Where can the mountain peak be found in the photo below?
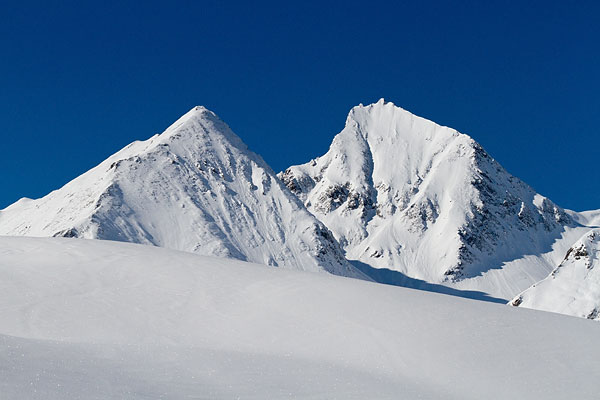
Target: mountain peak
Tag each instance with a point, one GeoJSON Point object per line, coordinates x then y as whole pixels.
{"type": "Point", "coordinates": [379, 102]}
{"type": "Point", "coordinates": [197, 112]}
{"type": "Point", "coordinates": [199, 127]}
{"type": "Point", "coordinates": [203, 113]}
{"type": "Point", "coordinates": [387, 120]}
{"type": "Point", "coordinates": [196, 187]}
{"type": "Point", "coordinates": [404, 193]}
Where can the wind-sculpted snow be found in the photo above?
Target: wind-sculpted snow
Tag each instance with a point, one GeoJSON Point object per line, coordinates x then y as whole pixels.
{"type": "Point", "coordinates": [196, 187]}
{"type": "Point", "coordinates": [89, 319]}
{"type": "Point", "coordinates": [403, 193]}
{"type": "Point", "coordinates": [573, 287]}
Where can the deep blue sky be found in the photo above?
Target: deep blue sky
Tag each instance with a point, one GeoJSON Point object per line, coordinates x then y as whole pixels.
{"type": "Point", "coordinates": [78, 82]}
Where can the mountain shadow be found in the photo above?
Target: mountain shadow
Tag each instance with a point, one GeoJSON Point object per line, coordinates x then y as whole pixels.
{"type": "Point", "coordinates": [395, 278]}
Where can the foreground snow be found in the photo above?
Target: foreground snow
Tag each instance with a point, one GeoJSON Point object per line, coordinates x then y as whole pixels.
{"type": "Point", "coordinates": [98, 319]}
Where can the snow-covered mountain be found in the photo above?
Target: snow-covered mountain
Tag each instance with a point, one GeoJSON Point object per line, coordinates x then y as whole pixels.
{"type": "Point", "coordinates": [573, 288]}
{"type": "Point", "coordinates": [412, 203]}
{"type": "Point", "coordinates": [90, 319]}
{"type": "Point", "coordinates": [196, 187]}
{"type": "Point", "coordinates": [402, 193]}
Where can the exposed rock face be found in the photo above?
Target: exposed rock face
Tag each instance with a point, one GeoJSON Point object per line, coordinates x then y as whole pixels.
{"type": "Point", "coordinates": [196, 187]}
{"type": "Point", "coordinates": [404, 193]}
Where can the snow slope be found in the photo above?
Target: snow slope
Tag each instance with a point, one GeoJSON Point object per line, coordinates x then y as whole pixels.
{"type": "Point", "coordinates": [99, 319]}
{"type": "Point", "coordinates": [402, 193]}
{"type": "Point", "coordinates": [196, 187]}
{"type": "Point", "coordinates": [573, 288]}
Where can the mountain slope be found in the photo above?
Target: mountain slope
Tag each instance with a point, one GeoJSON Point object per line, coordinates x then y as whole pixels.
{"type": "Point", "coordinates": [573, 288]}
{"type": "Point", "coordinates": [402, 193]}
{"type": "Point", "coordinates": [196, 187]}
{"type": "Point", "coordinates": [99, 319]}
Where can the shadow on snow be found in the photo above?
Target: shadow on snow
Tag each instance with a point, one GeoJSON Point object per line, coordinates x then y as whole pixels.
{"type": "Point", "coordinates": [395, 278]}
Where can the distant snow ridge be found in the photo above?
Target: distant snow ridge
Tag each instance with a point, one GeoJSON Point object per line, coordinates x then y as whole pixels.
{"type": "Point", "coordinates": [196, 187]}
{"type": "Point", "coordinates": [401, 192]}
{"type": "Point", "coordinates": [573, 288]}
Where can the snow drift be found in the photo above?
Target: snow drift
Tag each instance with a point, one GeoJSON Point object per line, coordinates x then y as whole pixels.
{"type": "Point", "coordinates": [99, 319]}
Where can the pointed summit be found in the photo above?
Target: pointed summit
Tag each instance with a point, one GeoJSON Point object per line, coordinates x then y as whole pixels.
{"type": "Point", "coordinates": [403, 193]}
{"type": "Point", "coordinates": [196, 187]}
{"type": "Point", "coordinates": [202, 127]}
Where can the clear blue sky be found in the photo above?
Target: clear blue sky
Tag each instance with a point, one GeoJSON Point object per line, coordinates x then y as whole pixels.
{"type": "Point", "coordinates": [78, 82]}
